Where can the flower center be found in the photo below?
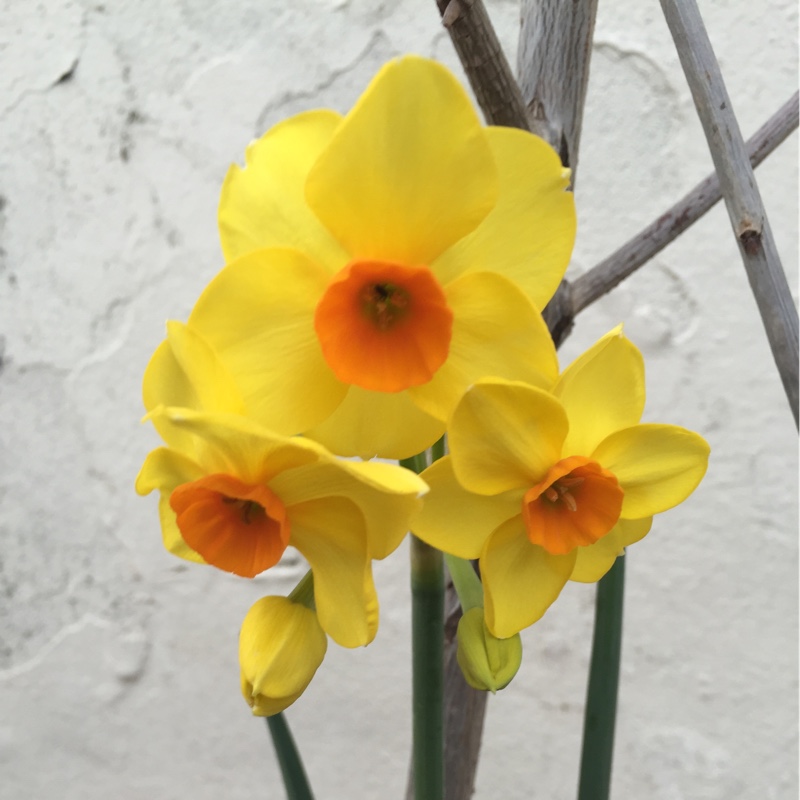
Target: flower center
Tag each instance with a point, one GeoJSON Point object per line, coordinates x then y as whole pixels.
{"type": "Point", "coordinates": [384, 303]}
{"type": "Point", "coordinates": [384, 327]}
{"type": "Point", "coordinates": [576, 504]}
{"type": "Point", "coordinates": [234, 526]}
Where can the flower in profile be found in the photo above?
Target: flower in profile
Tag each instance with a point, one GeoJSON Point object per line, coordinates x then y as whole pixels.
{"type": "Point", "coordinates": [547, 487]}
{"type": "Point", "coordinates": [281, 645]}
{"type": "Point", "coordinates": [235, 495]}
{"type": "Point", "coordinates": [381, 262]}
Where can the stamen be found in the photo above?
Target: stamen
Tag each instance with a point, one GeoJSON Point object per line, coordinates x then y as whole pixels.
{"type": "Point", "coordinates": [560, 490]}
{"type": "Point", "coordinates": [574, 505]}
{"type": "Point", "coordinates": [248, 509]}
{"type": "Point", "coordinates": [569, 500]}
{"type": "Point", "coordinates": [384, 303]}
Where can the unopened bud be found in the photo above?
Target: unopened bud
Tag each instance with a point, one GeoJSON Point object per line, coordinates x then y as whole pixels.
{"type": "Point", "coordinates": [488, 663]}
{"type": "Point", "coordinates": [281, 645]}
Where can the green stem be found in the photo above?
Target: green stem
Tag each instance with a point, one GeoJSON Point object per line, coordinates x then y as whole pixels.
{"type": "Point", "coordinates": [303, 593]}
{"type": "Point", "coordinates": [437, 449]}
{"type": "Point", "coordinates": [467, 584]}
{"type": "Point", "coordinates": [601, 696]}
{"type": "Point", "coordinates": [294, 775]}
{"type": "Point", "coordinates": [427, 618]}
{"type": "Point", "coordinates": [427, 648]}
{"type": "Point", "coordinates": [416, 463]}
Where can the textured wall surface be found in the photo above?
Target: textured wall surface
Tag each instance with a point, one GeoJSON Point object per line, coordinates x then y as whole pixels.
{"type": "Point", "coordinates": [118, 662]}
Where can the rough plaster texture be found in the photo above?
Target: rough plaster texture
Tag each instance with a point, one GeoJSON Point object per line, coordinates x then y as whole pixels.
{"type": "Point", "coordinates": [118, 667]}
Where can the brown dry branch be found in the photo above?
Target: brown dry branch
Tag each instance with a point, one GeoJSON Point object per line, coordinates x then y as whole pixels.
{"type": "Point", "coordinates": [555, 48]}
{"type": "Point", "coordinates": [487, 68]}
{"type": "Point", "coordinates": [738, 184]}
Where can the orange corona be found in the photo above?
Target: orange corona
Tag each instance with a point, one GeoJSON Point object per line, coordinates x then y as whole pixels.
{"type": "Point", "coordinates": [576, 504]}
{"type": "Point", "coordinates": [234, 526]}
{"type": "Point", "coordinates": [384, 327]}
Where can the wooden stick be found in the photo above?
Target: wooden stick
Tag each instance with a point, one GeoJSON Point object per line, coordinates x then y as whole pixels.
{"type": "Point", "coordinates": [738, 184]}
{"type": "Point", "coordinates": [487, 68]}
{"type": "Point", "coordinates": [555, 47]}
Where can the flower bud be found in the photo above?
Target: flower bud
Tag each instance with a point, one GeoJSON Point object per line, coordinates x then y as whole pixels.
{"type": "Point", "coordinates": [488, 663]}
{"type": "Point", "coordinates": [281, 644]}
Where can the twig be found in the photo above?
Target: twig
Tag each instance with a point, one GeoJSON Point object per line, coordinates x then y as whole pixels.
{"type": "Point", "coordinates": [555, 48]}
{"type": "Point", "coordinates": [738, 184]}
{"type": "Point", "coordinates": [487, 68]}
{"type": "Point", "coordinates": [611, 271]}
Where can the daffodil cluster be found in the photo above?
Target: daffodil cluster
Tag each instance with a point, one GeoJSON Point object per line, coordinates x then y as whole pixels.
{"type": "Point", "coordinates": [385, 273]}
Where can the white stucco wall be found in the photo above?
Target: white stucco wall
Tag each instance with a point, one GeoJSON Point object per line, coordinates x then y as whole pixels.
{"type": "Point", "coordinates": [118, 663]}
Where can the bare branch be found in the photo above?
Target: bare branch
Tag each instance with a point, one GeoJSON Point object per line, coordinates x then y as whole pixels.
{"type": "Point", "coordinates": [487, 68]}
{"type": "Point", "coordinates": [655, 237]}
{"type": "Point", "coordinates": [739, 188]}
{"type": "Point", "coordinates": [555, 47]}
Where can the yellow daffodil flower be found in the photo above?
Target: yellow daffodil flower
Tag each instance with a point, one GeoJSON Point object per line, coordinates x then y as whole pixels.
{"type": "Point", "coordinates": [236, 495]}
{"type": "Point", "coordinates": [547, 487]}
{"type": "Point", "coordinates": [281, 645]}
{"type": "Point", "coordinates": [381, 262]}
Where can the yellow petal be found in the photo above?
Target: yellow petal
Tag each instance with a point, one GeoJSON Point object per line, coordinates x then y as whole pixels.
{"type": "Point", "coordinates": [520, 580]}
{"type": "Point", "coordinates": [164, 378]}
{"type": "Point", "coordinates": [505, 435]}
{"type": "Point", "coordinates": [387, 495]}
{"type": "Point", "coordinates": [657, 466]}
{"type": "Point", "coordinates": [368, 424]}
{"type": "Point", "coordinates": [529, 235]}
{"type": "Point", "coordinates": [258, 314]}
{"type": "Point", "coordinates": [213, 385]}
{"type": "Point", "coordinates": [281, 645]}
{"type": "Point", "coordinates": [171, 535]}
{"type": "Point", "coordinates": [331, 534]}
{"type": "Point", "coordinates": [602, 391]}
{"type": "Point", "coordinates": [409, 171]}
{"type": "Point", "coordinates": [165, 469]}
{"type": "Point", "coordinates": [594, 561]}
{"type": "Point", "coordinates": [457, 521]}
{"type": "Point", "coordinates": [263, 204]}
{"type": "Point", "coordinates": [238, 446]}
{"type": "Point", "coordinates": [497, 332]}
{"type": "Point", "coordinates": [185, 371]}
